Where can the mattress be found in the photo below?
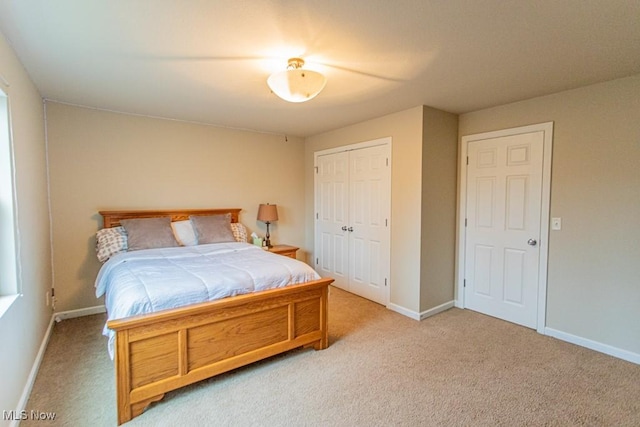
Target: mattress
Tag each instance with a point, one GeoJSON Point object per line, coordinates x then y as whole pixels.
{"type": "Point", "coordinates": [151, 280]}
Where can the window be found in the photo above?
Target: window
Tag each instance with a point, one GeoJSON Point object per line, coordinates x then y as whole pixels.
{"type": "Point", "coordinates": [8, 267]}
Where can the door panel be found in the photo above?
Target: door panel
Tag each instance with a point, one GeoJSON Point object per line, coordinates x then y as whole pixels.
{"type": "Point", "coordinates": [369, 204]}
{"type": "Point", "coordinates": [504, 200]}
{"type": "Point", "coordinates": [483, 257]}
{"type": "Point", "coordinates": [354, 193]}
{"type": "Point", "coordinates": [514, 279]}
{"type": "Point", "coordinates": [333, 205]}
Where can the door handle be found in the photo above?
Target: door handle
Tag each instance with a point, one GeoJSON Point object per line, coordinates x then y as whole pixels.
{"type": "Point", "coordinates": [532, 242]}
{"type": "Point", "coordinates": [344, 228]}
{"type": "Point", "coordinates": [350, 229]}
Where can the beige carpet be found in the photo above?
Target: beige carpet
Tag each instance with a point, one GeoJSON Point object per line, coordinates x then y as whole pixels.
{"type": "Point", "coordinates": [458, 368]}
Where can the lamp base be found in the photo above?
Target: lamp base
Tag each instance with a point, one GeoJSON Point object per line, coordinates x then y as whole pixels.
{"type": "Point", "coordinates": [267, 241]}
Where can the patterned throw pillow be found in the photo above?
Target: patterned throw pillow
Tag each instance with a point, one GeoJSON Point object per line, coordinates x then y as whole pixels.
{"type": "Point", "coordinates": [110, 241]}
{"type": "Point", "coordinates": [239, 232]}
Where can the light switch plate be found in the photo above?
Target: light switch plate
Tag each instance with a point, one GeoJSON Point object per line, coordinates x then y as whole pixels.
{"type": "Point", "coordinates": [556, 223]}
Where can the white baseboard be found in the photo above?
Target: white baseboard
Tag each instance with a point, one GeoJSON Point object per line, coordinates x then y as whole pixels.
{"type": "Point", "coordinates": [435, 310]}
{"type": "Point", "coordinates": [404, 311]}
{"type": "Point", "coordinates": [423, 315]}
{"type": "Point", "coordinates": [63, 315]}
{"type": "Point", "coordinates": [594, 345]}
{"type": "Point", "coordinates": [26, 392]}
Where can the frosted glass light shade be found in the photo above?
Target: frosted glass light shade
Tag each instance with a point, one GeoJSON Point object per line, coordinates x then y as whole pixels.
{"type": "Point", "coordinates": [296, 85]}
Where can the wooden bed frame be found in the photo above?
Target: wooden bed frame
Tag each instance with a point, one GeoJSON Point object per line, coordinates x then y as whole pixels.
{"type": "Point", "coordinates": [159, 352]}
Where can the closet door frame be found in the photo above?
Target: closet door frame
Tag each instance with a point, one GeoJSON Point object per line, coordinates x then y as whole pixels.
{"type": "Point", "coordinates": [351, 147]}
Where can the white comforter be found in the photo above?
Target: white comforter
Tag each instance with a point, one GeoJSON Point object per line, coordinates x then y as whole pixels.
{"type": "Point", "coordinates": [150, 280]}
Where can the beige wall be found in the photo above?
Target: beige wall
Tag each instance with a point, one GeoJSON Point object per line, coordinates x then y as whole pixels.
{"type": "Point", "coordinates": [439, 198]}
{"type": "Point", "coordinates": [594, 274]}
{"type": "Point", "coordinates": [405, 129]}
{"type": "Point", "coordinates": [23, 326]}
{"type": "Point", "coordinates": [96, 163]}
{"type": "Point", "coordinates": [423, 200]}
{"type": "Point", "coordinates": [101, 160]}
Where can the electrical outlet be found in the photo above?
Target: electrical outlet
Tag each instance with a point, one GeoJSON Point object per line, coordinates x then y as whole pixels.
{"type": "Point", "coordinates": [556, 223]}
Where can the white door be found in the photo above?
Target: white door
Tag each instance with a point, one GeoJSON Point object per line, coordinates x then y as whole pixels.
{"type": "Point", "coordinates": [352, 219]}
{"type": "Point", "coordinates": [368, 222]}
{"type": "Point", "coordinates": [332, 217]}
{"type": "Point", "coordinates": [503, 232]}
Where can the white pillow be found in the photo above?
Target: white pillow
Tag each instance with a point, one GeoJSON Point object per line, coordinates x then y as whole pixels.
{"type": "Point", "coordinates": [184, 233]}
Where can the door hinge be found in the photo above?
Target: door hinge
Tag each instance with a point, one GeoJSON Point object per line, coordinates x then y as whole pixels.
{"type": "Point", "coordinates": [386, 222]}
{"type": "Point", "coordinates": [467, 160]}
{"type": "Point", "coordinates": [465, 222]}
{"type": "Point", "coordinates": [53, 292]}
{"type": "Point", "coordinates": [464, 283]}
{"type": "Point", "coordinates": [316, 260]}
{"type": "Point", "coordinates": [387, 161]}
{"type": "Point", "coordinates": [317, 215]}
{"type": "Point", "coordinates": [385, 281]}
{"type": "Point", "coordinates": [316, 168]}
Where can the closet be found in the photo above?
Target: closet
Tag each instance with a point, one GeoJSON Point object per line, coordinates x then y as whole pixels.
{"type": "Point", "coordinates": [352, 217]}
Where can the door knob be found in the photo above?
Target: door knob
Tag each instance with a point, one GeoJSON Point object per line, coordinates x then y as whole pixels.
{"type": "Point", "coordinates": [532, 242]}
{"type": "Point", "coordinates": [344, 228]}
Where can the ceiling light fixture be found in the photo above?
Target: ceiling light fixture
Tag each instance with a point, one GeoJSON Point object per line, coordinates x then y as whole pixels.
{"type": "Point", "coordinates": [295, 84]}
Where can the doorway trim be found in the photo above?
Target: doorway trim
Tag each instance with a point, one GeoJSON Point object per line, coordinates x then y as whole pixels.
{"type": "Point", "coordinates": [547, 129]}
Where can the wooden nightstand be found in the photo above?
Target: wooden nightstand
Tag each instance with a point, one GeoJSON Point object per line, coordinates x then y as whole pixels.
{"type": "Point", "coordinates": [285, 250]}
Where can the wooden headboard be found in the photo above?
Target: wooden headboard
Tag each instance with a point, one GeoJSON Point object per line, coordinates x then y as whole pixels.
{"type": "Point", "coordinates": [112, 218]}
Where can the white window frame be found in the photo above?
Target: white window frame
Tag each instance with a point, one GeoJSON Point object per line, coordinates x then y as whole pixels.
{"type": "Point", "coordinates": [10, 284]}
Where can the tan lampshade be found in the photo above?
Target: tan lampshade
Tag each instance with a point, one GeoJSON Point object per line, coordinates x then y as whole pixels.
{"type": "Point", "coordinates": [268, 213]}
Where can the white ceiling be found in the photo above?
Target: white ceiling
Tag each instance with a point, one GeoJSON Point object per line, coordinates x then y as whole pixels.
{"type": "Point", "coordinates": [208, 61]}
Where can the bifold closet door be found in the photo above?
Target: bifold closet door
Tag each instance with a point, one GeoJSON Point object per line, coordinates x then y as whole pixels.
{"type": "Point", "coordinates": [332, 204]}
{"type": "Point", "coordinates": [352, 227]}
{"type": "Point", "coordinates": [369, 204]}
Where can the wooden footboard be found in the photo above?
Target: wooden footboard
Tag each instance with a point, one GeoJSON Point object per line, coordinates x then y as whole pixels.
{"type": "Point", "coordinates": [160, 352]}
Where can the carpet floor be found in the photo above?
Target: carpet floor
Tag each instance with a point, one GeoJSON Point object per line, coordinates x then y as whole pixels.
{"type": "Point", "coordinates": [458, 368]}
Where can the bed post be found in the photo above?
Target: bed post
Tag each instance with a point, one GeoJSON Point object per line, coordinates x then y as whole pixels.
{"type": "Point", "coordinates": [123, 379]}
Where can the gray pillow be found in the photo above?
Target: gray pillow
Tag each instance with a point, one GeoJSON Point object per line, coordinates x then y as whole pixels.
{"type": "Point", "coordinates": [149, 233]}
{"type": "Point", "coordinates": [213, 228]}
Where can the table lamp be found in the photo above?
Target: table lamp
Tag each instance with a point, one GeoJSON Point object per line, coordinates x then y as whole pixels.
{"type": "Point", "coordinates": [268, 214]}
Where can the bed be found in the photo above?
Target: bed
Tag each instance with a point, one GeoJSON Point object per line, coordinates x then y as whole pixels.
{"type": "Point", "coordinates": [165, 350]}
